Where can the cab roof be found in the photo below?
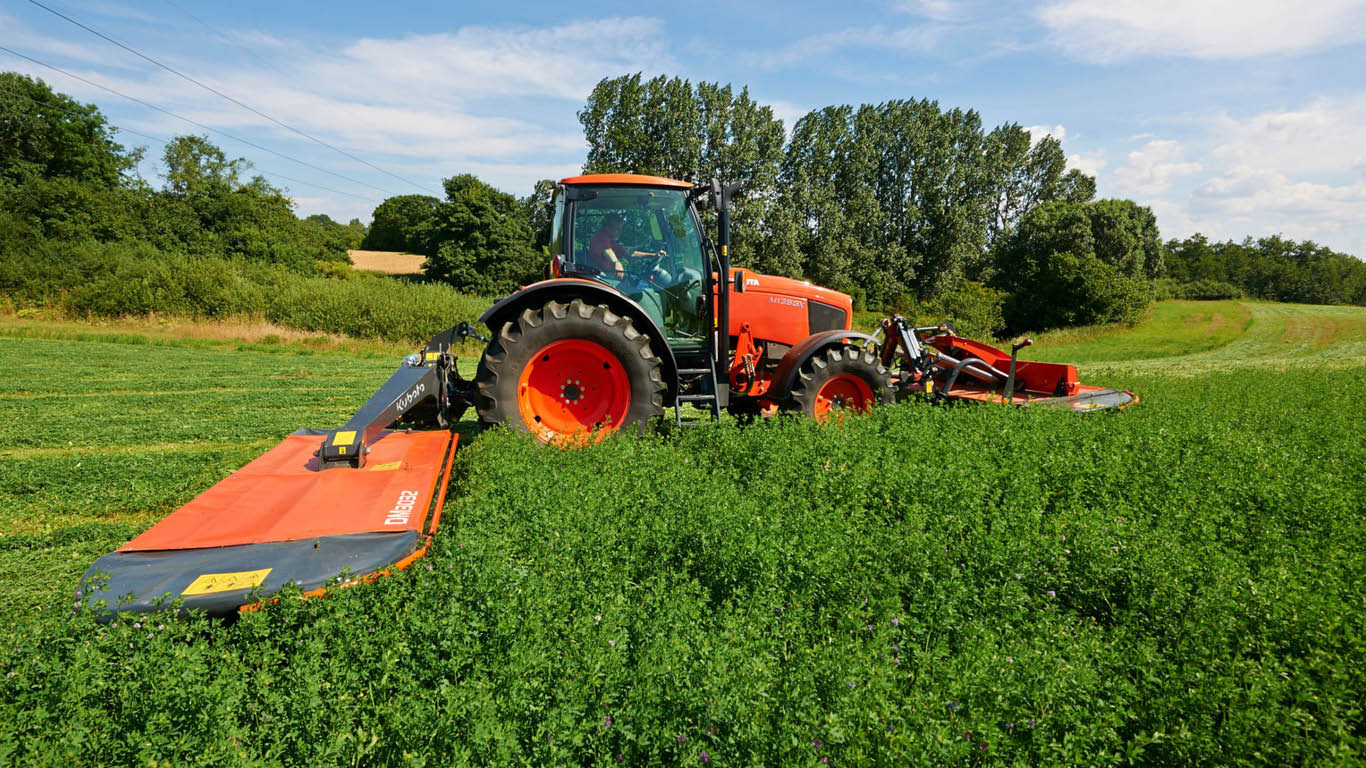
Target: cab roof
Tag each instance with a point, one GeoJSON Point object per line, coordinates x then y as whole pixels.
{"type": "Point", "coordinates": [626, 178]}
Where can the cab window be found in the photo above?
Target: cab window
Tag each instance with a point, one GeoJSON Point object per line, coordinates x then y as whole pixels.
{"type": "Point", "coordinates": [644, 242]}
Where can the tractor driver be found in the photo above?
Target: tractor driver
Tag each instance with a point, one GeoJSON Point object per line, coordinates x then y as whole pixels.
{"type": "Point", "coordinates": [605, 253]}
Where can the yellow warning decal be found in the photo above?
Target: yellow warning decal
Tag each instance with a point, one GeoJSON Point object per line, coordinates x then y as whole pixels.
{"type": "Point", "coordinates": [344, 437]}
{"type": "Point", "coordinates": [433, 355]}
{"type": "Point", "coordinates": [210, 583]}
{"type": "Point", "coordinates": [390, 467]}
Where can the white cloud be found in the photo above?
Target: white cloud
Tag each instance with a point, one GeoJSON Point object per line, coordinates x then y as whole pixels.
{"type": "Point", "coordinates": [938, 10]}
{"type": "Point", "coordinates": [1110, 30]}
{"type": "Point", "coordinates": [1152, 169]}
{"type": "Point", "coordinates": [496, 101]}
{"type": "Point", "coordinates": [914, 39]}
{"type": "Point", "coordinates": [1037, 132]}
{"type": "Point", "coordinates": [1324, 136]}
{"type": "Point", "coordinates": [1299, 172]}
{"type": "Point", "coordinates": [1089, 163]}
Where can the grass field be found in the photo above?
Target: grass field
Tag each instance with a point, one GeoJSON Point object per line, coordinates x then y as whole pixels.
{"type": "Point", "coordinates": [387, 262]}
{"type": "Point", "coordinates": [1181, 583]}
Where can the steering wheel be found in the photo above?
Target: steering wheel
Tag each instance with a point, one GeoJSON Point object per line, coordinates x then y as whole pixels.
{"type": "Point", "coordinates": [647, 263]}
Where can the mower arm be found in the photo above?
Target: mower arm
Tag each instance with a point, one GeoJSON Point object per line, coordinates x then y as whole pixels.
{"type": "Point", "coordinates": [427, 379]}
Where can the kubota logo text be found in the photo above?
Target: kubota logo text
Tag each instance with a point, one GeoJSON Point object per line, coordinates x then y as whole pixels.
{"type": "Point", "coordinates": [414, 394]}
{"type": "Point", "coordinates": [403, 509]}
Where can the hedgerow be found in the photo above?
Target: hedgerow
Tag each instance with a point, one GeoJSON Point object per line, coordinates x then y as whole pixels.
{"type": "Point", "coordinates": [115, 280]}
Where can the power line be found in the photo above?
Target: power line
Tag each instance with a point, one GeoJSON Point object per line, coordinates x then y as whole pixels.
{"type": "Point", "coordinates": [219, 93]}
{"type": "Point", "coordinates": [195, 122]}
{"type": "Point", "coordinates": [149, 137]}
{"type": "Point", "coordinates": [254, 57]}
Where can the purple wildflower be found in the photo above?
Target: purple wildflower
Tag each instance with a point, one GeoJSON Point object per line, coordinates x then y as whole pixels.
{"type": "Point", "coordinates": [612, 643]}
{"type": "Point", "coordinates": [608, 722]}
{"type": "Point", "coordinates": [896, 623]}
{"type": "Point", "coordinates": [967, 736]}
{"type": "Point", "coordinates": [619, 757]}
{"type": "Point", "coordinates": [851, 683]}
{"type": "Point", "coordinates": [1010, 659]}
{"type": "Point", "coordinates": [953, 706]}
{"type": "Point", "coordinates": [816, 743]}
{"type": "Point", "coordinates": [1031, 722]}
{"type": "Point", "coordinates": [825, 759]}
{"type": "Point", "coordinates": [983, 745]}
{"type": "Point", "coordinates": [705, 757]}
{"type": "Point", "coordinates": [1052, 593]}
{"type": "Point", "coordinates": [870, 627]}
{"type": "Point", "coordinates": [1010, 726]}
{"type": "Point", "coordinates": [682, 739]}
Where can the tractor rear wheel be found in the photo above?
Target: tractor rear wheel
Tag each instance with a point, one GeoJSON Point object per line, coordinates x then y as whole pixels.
{"type": "Point", "coordinates": [842, 378]}
{"type": "Point", "coordinates": [563, 371]}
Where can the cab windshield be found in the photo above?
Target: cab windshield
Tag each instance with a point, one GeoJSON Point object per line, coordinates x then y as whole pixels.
{"type": "Point", "coordinates": [644, 242]}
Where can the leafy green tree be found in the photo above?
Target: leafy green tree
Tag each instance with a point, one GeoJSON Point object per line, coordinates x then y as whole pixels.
{"type": "Point", "coordinates": [667, 127]}
{"type": "Point", "coordinates": [403, 223]}
{"type": "Point", "coordinates": [1079, 264]}
{"type": "Point", "coordinates": [539, 213]}
{"type": "Point", "coordinates": [48, 135]}
{"type": "Point", "coordinates": [482, 241]}
{"type": "Point", "coordinates": [196, 167]}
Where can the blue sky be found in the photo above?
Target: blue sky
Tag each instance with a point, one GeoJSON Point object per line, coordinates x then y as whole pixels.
{"type": "Point", "coordinates": [1228, 117]}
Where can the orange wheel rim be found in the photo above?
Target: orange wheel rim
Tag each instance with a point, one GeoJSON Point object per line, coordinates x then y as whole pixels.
{"type": "Point", "coordinates": [845, 392]}
{"type": "Point", "coordinates": [573, 387]}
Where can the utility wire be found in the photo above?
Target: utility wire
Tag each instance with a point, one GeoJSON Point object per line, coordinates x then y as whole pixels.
{"type": "Point", "coordinates": [254, 57]}
{"type": "Point", "coordinates": [149, 137]}
{"type": "Point", "coordinates": [195, 123]}
{"type": "Point", "coordinates": [219, 93]}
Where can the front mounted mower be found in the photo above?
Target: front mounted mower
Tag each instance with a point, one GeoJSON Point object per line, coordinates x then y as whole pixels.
{"type": "Point", "coordinates": [611, 338]}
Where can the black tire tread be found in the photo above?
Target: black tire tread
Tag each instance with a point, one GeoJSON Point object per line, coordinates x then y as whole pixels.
{"type": "Point", "coordinates": [834, 361]}
{"type": "Point", "coordinates": [514, 345]}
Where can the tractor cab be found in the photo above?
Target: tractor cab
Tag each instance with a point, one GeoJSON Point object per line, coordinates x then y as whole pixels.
{"type": "Point", "coordinates": [641, 236]}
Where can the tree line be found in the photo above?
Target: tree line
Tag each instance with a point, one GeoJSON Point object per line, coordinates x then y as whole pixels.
{"type": "Point", "coordinates": [905, 205]}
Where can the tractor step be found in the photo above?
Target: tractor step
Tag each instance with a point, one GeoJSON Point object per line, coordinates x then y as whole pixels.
{"type": "Point", "coordinates": [704, 392]}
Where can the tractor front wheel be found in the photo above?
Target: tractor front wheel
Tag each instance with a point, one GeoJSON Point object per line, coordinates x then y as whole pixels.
{"type": "Point", "coordinates": [566, 371]}
{"type": "Point", "coordinates": [843, 378]}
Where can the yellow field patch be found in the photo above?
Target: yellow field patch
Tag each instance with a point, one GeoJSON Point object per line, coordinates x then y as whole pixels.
{"type": "Point", "coordinates": [388, 262]}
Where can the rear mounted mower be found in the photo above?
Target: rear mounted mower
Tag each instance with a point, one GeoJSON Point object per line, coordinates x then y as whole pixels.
{"type": "Point", "coordinates": [611, 338]}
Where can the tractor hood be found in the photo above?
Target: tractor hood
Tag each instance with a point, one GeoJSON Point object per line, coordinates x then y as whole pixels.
{"type": "Point", "coordinates": [797, 289]}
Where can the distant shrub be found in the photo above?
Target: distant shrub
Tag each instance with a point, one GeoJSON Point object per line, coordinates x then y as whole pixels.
{"type": "Point", "coordinates": [973, 308]}
{"type": "Point", "coordinates": [1074, 264]}
{"type": "Point", "coordinates": [1201, 290]}
{"type": "Point", "coordinates": [371, 307]}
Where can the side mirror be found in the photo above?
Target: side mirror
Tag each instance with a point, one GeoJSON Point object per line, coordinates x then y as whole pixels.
{"type": "Point", "coordinates": [739, 281]}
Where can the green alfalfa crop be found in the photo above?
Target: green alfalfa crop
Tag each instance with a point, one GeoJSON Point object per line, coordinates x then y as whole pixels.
{"type": "Point", "coordinates": [1174, 584]}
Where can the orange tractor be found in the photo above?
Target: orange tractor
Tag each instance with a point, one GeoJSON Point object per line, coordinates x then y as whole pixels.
{"type": "Point", "coordinates": [639, 313]}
